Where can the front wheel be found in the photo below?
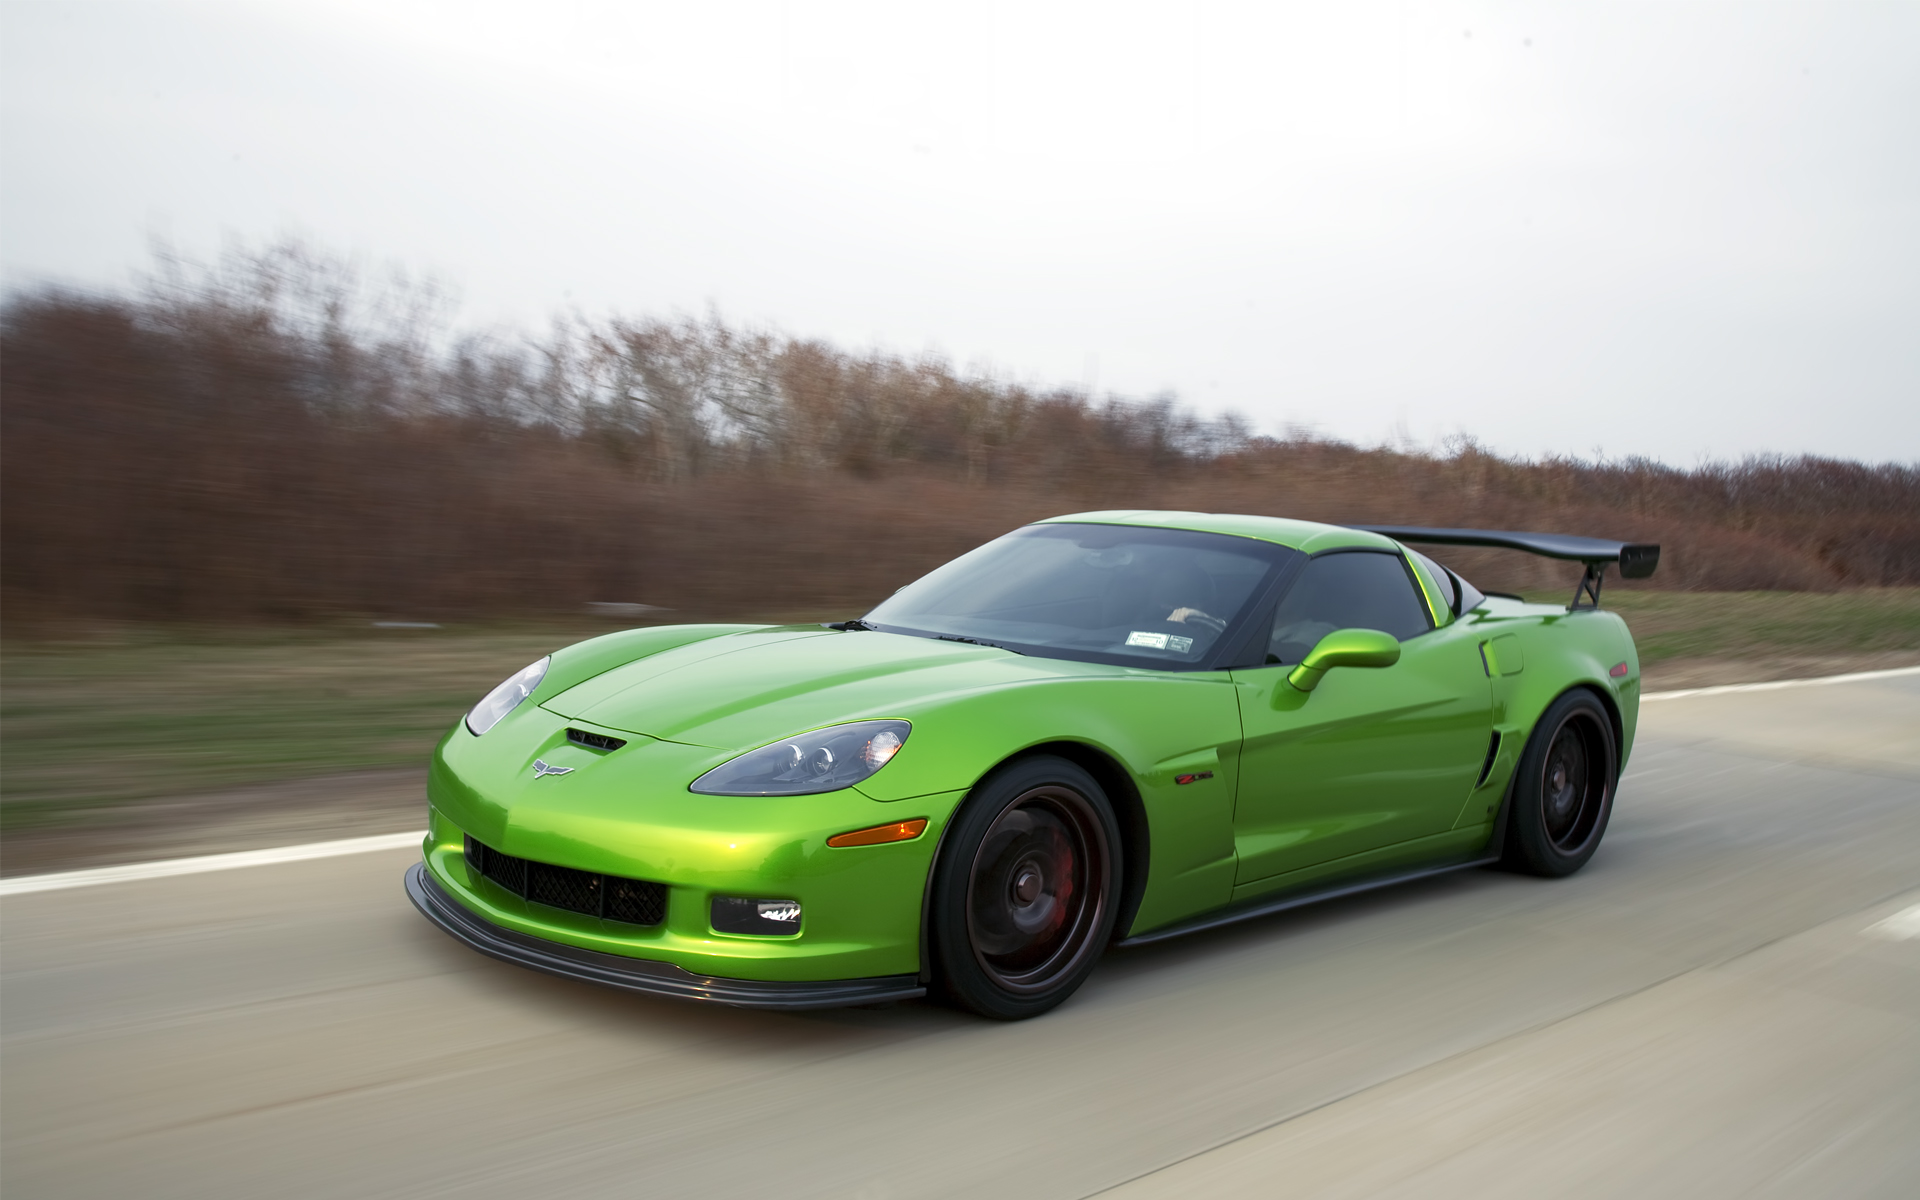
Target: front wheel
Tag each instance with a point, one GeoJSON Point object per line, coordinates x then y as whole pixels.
{"type": "Point", "coordinates": [1562, 789]}
{"type": "Point", "coordinates": [1025, 890]}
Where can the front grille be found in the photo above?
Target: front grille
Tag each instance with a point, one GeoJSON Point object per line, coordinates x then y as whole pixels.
{"type": "Point", "coordinates": [609, 897]}
{"type": "Point", "coordinates": [504, 869]}
{"type": "Point", "coordinates": [635, 901]}
{"type": "Point", "coordinates": [564, 887]}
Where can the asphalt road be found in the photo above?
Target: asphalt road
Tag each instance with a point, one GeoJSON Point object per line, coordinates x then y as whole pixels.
{"type": "Point", "coordinates": [1703, 1011]}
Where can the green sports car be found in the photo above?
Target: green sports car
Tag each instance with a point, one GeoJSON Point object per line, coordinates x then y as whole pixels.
{"type": "Point", "coordinates": [1107, 728]}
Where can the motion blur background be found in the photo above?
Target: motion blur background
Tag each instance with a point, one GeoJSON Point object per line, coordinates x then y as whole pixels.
{"type": "Point", "coordinates": [324, 323]}
{"type": "Point", "coordinates": [356, 353]}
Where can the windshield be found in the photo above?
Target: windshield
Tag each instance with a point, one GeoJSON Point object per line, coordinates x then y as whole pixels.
{"type": "Point", "coordinates": [1104, 593]}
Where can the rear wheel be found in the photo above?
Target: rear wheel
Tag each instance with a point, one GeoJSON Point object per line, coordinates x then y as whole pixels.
{"type": "Point", "coordinates": [1562, 789]}
{"type": "Point", "coordinates": [1025, 890]}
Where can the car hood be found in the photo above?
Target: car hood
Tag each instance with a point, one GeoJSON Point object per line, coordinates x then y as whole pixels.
{"type": "Point", "coordinates": [747, 689]}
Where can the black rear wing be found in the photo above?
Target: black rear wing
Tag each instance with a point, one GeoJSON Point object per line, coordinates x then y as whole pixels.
{"type": "Point", "coordinates": [1637, 559]}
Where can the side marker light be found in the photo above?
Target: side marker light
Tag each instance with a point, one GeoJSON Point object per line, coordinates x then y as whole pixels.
{"type": "Point", "coordinates": [899, 831]}
{"type": "Point", "coordinates": [1197, 775]}
{"type": "Point", "coordinates": [1619, 671]}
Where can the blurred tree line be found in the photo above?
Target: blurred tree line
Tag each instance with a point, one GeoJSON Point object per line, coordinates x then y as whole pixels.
{"type": "Point", "coordinates": [281, 437]}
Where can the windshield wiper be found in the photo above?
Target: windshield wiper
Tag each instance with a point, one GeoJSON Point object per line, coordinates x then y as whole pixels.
{"type": "Point", "coordinates": [954, 637]}
{"type": "Point", "coordinates": [854, 626]}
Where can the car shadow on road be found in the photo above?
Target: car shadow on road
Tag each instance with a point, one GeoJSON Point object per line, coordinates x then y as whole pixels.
{"type": "Point", "coordinates": [1123, 973]}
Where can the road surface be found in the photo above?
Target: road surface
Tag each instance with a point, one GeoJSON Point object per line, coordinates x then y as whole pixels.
{"type": "Point", "coordinates": [1725, 1002]}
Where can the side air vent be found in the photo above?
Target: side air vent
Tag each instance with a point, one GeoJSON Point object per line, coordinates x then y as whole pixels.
{"type": "Point", "coordinates": [609, 897]}
{"type": "Point", "coordinates": [594, 741]}
{"type": "Point", "coordinates": [1493, 752]}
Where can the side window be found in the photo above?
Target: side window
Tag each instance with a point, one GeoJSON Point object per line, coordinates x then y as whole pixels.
{"type": "Point", "coordinates": [1462, 597]}
{"type": "Point", "coordinates": [1442, 582]}
{"type": "Point", "coordinates": [1346, 591]}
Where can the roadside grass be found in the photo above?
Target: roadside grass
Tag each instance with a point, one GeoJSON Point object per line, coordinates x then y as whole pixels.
{"type": "Point", "coordinates": [129, 714]}
{"type": "Point", "coordinates": [1755, 625]}
{"type": "Point", "coordinates": [119, 716]}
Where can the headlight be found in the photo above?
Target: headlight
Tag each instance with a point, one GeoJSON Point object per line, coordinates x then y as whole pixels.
{"type": "Point", "coordinates": [507, 697]}
{"type": "Point", "coordinates": [825, 760]}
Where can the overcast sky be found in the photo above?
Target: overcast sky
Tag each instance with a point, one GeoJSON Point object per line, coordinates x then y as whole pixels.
{"type": "Point", "coordinates": [1682, 231]}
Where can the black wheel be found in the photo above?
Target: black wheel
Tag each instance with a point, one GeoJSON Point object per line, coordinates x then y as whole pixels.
{"type": "Point", "coordinates": [1562, 789]}
{"type": "Point", "coordinates": [1025, 889]}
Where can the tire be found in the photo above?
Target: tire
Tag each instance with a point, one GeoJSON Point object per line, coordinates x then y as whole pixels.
{"type": "Point", "coordinates": [1563, 789]}
{"type": "Point", "coordinates": [1025, 891]}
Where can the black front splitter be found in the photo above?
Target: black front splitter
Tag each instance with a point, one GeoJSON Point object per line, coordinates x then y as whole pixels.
{"type": "Point", "coordinates": [644, 975]}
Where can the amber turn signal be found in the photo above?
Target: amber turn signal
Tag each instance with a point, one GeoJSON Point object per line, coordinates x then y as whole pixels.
{"type": "Point", "coordinates": [899, 831]}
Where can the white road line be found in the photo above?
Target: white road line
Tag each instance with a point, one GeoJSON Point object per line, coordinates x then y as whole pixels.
{"type": "Point", "coordinates": [1903, 926]}
{"type": "Point", "coordinates": [1728, 689]}
{"type": "Point", "coordinates": [23, 884]}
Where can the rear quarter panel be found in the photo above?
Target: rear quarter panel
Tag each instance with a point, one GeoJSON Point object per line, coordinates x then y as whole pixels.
{"type": "Point", "coordinates": [1535, 653]}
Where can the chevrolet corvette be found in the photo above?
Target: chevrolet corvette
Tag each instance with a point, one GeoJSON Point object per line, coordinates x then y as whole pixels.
{"type": "Point", "coordinates": [1099, 730]}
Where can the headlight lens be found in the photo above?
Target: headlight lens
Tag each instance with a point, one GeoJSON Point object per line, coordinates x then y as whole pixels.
{"type": "Point", "coordinates": [507, 697]}
{"type": "Point", "coordinates": [825, 760]}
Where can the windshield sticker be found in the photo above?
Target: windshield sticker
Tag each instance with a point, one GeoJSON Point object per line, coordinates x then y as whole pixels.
{"type": "Point", "coordinates": [1179, 645]}
{"type": "Point", "coordinates": [1152, 641]}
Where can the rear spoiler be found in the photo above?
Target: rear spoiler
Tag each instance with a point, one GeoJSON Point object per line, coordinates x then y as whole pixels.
{"type": "Point", "coordinates": [1637, 559]}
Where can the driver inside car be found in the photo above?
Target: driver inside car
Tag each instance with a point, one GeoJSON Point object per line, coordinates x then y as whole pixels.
{"type": "Point", "coordinates": [1185, 597]}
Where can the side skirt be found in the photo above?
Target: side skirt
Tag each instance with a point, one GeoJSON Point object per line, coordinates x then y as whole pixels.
{"type": "Point", "coordinates": [1268, 905]}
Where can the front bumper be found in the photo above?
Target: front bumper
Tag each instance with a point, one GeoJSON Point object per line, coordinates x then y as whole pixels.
{"type": "Point", "coordinates": [629, 814]}
{"type": "Point", "coordinates": [644, 975]}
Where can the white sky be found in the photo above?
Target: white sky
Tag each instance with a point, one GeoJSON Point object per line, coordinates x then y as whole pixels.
{"type": "Point", "coordinates": [1675, 230]}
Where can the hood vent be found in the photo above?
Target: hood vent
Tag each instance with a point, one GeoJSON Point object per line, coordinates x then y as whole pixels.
{"type": "Point", "coordinates": [594, 741]}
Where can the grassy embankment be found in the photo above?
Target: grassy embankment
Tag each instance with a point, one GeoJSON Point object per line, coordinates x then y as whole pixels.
{"type": "Point", "coordinates": [142, 713]}
{"type": "Point", "coordinates": [98, 726]}
{"type": "Point", "coordinates": [1681, 633]}
{"type": "Point", "coordinates": [275, 444]}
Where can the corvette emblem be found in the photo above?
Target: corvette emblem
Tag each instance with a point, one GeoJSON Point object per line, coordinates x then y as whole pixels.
{"type": "Point", "coordinates": [543, 767]}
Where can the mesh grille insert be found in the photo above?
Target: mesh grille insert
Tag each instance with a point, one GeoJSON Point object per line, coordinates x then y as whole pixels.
{"type": "Point", "coordinates": [504, 869]}
{"type": "Point", "coordinates": [610, 897]}
{"type": "Point", "coordinates": [564, 887]}
{"type": "Point", "coordinates": [635, 901]}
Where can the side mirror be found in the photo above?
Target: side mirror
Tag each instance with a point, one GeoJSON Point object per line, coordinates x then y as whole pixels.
{"type": "Point", "coordinates": [1344, 648]}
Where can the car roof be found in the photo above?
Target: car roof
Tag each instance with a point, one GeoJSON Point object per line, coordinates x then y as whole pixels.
{"type": "Point", "coordinates": [1308, 536]}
